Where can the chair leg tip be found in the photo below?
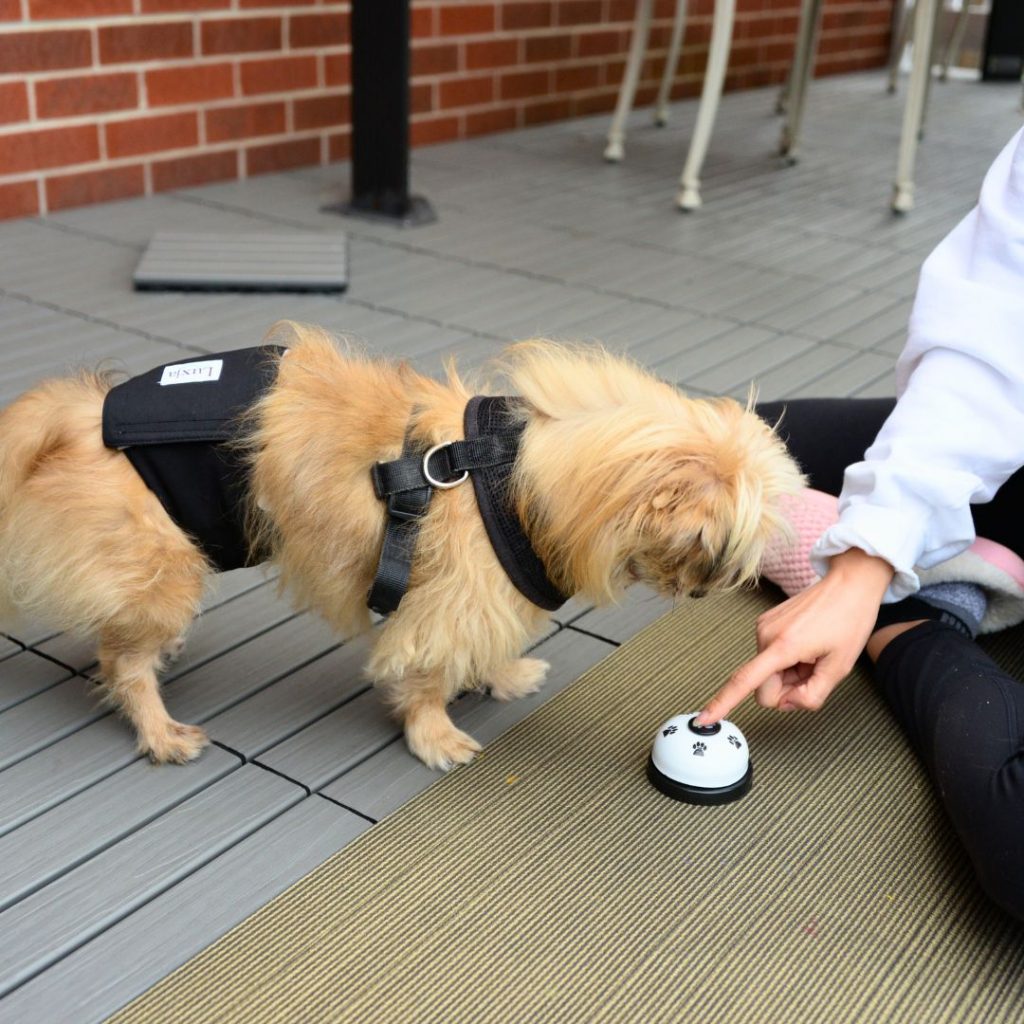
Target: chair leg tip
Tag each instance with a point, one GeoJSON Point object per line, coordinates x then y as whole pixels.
{"type": "Point", "coordinates": [902, 200]}
{"type": "Point", "coordinates": [614, 152]}
{"type": "Point", "coordinates": [689, 199]}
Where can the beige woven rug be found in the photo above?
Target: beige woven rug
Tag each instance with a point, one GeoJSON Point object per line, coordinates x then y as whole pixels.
{"type": "Point", "coordinates": [549, 882]}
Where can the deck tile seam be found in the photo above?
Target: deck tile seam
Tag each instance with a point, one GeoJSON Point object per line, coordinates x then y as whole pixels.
{"type": "Point", "coordinates": [823, 285]}
{"type": "Point", "coordinates": [91, 234]}
{"type": "Point", "coordinates": [284, 736]}
{"type": "Point", "coordinates": [592, 634]}
{"type": "Point", "coordinates": [33, 647]}
{"type": "Point", "coordinates": [121, 837]}
{"type": "Point", "coordinates": [346, 807]}
{"type": "Point", "coordinates": [100, 321]}
{"type": "Point", "coordinates": [248, 694]}
{"type": "Point", "coordinates": [13, 640]}
{"type": "Point", "coordinates": [104, 711]}
{"type": "Point", "coordinates": [266, 767]}
{"type": "Point", "coordinates": [419, 250]}
{"type": "Point", "coordinates": [43, 689]}
{"type": "Point", "coordinates": [823, 373]}
{"type": "Point", "coordinates": [125, 911]}
{"type": "Point", "coordinates": [873, 381]}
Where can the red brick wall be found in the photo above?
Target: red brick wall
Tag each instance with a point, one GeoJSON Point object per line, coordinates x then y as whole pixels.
{"type": "Point", "coordinates": [102, 99]}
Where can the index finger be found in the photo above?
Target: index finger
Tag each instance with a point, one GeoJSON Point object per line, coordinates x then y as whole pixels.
{"type": "Point", "coordinates": [745, 680]}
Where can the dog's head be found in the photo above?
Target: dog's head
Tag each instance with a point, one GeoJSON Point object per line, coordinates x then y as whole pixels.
{"type": "Point", "coordinates": [624, 478]}
{"type": "Point", "coordinates": [704, 514]}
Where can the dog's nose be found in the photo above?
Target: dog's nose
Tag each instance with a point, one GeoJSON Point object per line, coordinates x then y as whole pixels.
{"type": "Point", "coordinates": [698, 592]}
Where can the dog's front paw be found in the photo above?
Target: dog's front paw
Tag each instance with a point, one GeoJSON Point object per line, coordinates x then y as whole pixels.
{"type": "Point", "coordinates": [173, 742]}
{"type": "Point", "coordinates": [518, 678]}
{"type": "Point", "coordinates": [440, 745]}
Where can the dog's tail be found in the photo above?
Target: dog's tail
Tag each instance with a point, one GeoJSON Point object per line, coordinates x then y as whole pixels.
{"type": "Point", "coordinates": [41, 422]}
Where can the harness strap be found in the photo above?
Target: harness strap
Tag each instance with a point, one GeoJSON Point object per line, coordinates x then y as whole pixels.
{"type": "Point", "coordinates": [407, 484]}
{"type": "Point", "coordinates": [499, 417]}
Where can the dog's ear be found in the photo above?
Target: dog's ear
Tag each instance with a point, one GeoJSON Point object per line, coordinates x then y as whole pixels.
{"type": "Point", "coordinates": [690, 516]}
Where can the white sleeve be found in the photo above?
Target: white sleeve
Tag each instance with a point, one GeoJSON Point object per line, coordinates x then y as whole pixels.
{"type": "Point", "coordinates": [957, 432]}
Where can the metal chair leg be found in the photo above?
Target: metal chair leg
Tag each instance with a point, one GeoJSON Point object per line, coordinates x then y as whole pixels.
{"type": "Point", "coordinates": [671, 63]}
{"type": "Point", "coordinates": [800, 74]}
{"type": "Point", "coordinates": [902, 29]}
{"type": "Point", "coordinates": [924, 22]}
{"type": "Point", "coordinates": [688, 197]}
{"type": "Point", "coordinates": [615, 150]}
{"type": "Point", "coordinates": [956, 39]}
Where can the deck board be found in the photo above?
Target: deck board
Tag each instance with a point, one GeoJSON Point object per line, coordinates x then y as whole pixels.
{"type": "Point", "coordinates": [163, 933]}
{"type": "Point", "coordinates": [78, 829]}
{"type": "Point", "coordinates": [50, 923]}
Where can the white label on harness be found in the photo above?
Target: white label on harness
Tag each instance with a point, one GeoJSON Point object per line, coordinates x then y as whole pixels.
{"type": "Point", "coordinates": [192, 373]}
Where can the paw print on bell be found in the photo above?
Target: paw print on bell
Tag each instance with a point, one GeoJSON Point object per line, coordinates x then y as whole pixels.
{"type": "Point", "coordinates": [698, 749]}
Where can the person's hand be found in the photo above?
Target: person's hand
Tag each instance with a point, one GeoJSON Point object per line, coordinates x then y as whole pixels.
{"type": "Point", "coordinates": [809, 643]}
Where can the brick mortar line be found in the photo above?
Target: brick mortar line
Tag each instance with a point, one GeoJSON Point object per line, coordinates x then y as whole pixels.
{"type": "Point", "coordinates": [183, 64]}
{"type": "Point", "coordinates": [165, 154]}
{"type": "Point", "coordinates": [169, 17]}
{"type": "Point", "coordinates": [144, 108]}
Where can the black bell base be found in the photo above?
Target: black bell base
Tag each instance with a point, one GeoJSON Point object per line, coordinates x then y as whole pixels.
{"type": "Point", "coordinates": [698, 794]}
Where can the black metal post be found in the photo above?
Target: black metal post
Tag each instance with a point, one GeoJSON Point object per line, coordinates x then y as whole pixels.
{"type": "Point", "coordinates": [1004, 41]}
{"type": "Point", "coordinates": [380, 115]}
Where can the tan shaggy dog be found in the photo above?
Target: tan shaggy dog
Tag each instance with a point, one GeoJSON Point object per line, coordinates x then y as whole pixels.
{"type": "Point", "coordinates": [619, 478]}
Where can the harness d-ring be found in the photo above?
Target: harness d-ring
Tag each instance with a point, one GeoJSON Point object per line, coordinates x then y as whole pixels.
{"type": "Point", "coordinates": [441, 485]}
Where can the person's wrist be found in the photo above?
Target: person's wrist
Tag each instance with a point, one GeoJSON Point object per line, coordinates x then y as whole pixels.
{"type": "Point", "coordinates": [857, 568]}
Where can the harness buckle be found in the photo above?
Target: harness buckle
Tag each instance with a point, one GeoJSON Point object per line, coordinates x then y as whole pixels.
{"type": "Point", "coordinates": [441, 485]}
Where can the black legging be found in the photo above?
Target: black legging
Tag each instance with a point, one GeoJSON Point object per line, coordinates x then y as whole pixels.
{"type": "Point", "coordinates": [962, 713]}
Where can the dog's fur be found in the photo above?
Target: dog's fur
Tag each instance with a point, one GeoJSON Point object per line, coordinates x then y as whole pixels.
{"type": "Point", "coordinates": [620, 478]}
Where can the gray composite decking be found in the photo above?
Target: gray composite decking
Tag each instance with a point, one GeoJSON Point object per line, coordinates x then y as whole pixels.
{"type": "Point", "coordinates": [114, 871]}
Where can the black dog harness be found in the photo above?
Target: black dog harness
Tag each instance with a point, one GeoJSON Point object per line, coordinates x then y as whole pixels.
{"type": "Point", "coordinates": [177, 424]}
{"type": "Point", "coordinates": [487, 455]}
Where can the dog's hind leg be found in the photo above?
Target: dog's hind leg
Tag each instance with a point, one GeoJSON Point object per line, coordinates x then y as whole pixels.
{"type": "Point", "coordinates": [517, 678]}
{"type": "Point", "coordinates": [132, 688]}
{"type": "Point", "coordinates": [134, 643]}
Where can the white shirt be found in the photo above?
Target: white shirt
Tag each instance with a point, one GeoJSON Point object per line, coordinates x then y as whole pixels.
{"type": "Point", "coordinates": [957, 432]}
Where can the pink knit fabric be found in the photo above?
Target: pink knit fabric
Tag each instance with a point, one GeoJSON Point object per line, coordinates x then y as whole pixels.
{"type": "Point", "coordinates": [810, 513]}
{"type": "Point", "coordinates": [787, 564]}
